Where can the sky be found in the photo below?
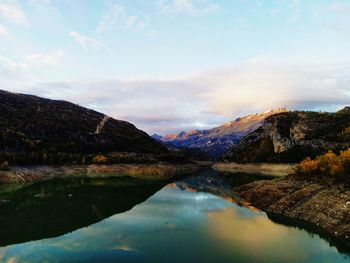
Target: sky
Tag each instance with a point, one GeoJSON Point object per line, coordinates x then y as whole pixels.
{"type": "Point", "coordinates": [172, 65]}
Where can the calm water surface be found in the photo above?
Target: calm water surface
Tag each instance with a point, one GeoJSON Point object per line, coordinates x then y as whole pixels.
{"type": "Point", "coordinates": [193, 220]}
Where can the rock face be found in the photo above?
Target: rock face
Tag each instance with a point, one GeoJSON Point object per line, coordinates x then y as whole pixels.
{"type": "Point", "coordinates": [215, 142]}
{"type": "Point", "coordinates": [37, 127]}
{"type": "Point", "coordinates": [320, 201]}
{"type": "Point", "coordinates": [292, 136]}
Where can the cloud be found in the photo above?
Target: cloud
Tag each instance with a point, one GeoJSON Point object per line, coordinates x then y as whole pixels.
{"type": "Point", "coordinates": [10, 69]}
{"type": "Point", "coordinates": [84, 41]}
{"type": "Point", "coordinates": [19, 68]}
{"type": "Point", "coordinates": [261, 84]}
{"type": "Point", "coordinates": [117, 18]}
{"type": "Point", "coordinates": [41, 2]}
{"type": "Point", "coordinates": [5, 32]}
{"type": "Point", "coordinates": [14, 13]}
{"type": "Point", "coordinates": [189, 7]}
{"type": "Point", "coordinates": [341, 8]}
{"type": "Point", "coordinates": [210, 98]}
{"type": "Point", "coordinates": [49, 58]}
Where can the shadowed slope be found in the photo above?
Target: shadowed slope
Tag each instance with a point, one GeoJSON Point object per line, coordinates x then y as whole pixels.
{"type": "Point", "coordinates": [29, 124]}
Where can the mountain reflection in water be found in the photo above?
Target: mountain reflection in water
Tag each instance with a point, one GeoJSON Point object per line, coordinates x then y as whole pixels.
{"type": "Point", "coordinates": [189, 220]}
{"type": "Point", "coordinates": [56, 207]}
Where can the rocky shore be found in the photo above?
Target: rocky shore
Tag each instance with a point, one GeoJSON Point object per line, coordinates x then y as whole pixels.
{"type": "Point", "coordinates": [143, 171]}
{"type": "Point", "coordinates": [323, 202]}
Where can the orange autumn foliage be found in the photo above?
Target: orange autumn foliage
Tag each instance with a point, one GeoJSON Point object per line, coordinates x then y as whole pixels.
{"type": "Point", "coordinates": [326, 164]}
{"type": "Point", "coordinates": [100, 159]}
{"type": "Point", "coordinates": [308, 165]}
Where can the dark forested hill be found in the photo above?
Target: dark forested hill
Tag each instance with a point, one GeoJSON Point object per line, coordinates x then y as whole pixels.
{"type": "Point", "coordinates": [42, 128]}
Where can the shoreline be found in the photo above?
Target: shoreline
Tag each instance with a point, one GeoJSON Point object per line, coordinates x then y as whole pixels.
{"type": "Point", "coordinates": [161, 171]}
{"type": "Point", "coordinates": [271, 169]}
{"type": "Point", "coordinates": [321, 202]}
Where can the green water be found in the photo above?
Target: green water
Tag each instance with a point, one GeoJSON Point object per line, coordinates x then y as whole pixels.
{"type": "Point", "coordinates": [123, 220]}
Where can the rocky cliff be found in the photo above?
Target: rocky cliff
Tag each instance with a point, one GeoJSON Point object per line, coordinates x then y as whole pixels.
{"type": "Point", "coordinates": [292, 136]}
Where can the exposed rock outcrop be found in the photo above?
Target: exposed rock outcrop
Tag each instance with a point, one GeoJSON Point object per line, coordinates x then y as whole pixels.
{"type": "Point", "coordinates": [324, 202]}
{"type": "Point", "coordinates": [291, 136]}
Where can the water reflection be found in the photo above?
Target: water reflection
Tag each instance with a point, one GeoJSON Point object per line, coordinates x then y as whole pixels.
{"type": "Point", "coordinates": [53, 208]}
{"type": "Point", "coordinates": [187, 221]}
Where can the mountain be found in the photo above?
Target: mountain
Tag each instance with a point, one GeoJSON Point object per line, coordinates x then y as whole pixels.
{"type": "Point", "coordinates": [157, 137]}
{"type": "Point", "coordinates": [37, 129]}
{"type": "Point", "coordinates": [292, 136]}
{"type": "Point", "coordinates": [215, 142]}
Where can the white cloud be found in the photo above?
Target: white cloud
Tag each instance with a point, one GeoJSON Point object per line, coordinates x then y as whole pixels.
{"type": "Point", "coordinates": [41, 2]}
{"type": "Point", "coordinates": [14, 13]}
{"type": "Point", "coordinates": [190, 7]}
{"type": "Point", "coordinates": [294, 7]}
{"type": "Point", "coordinates": [27, 67]}
{"type": "Point", "coordinates": [10, 69]}
{"type": "Point", "coordinates": [5, 32]}
{"type": "Point", "coordinates": [117, 17]}
{"type": "Point", "coordinates": [82, 40]}
{"type": "Point", "coordinates": [49, 58]}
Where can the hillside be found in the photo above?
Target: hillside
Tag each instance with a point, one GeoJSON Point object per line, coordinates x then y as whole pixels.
{"type": "Point", "coordinates": [36, 130]}
{"type": "Point", "coordinates": [292, 136]}
{"type": "Point", "coordinates": [215, 142]}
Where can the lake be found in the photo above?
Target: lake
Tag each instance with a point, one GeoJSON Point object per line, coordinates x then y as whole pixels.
{"type": "Point", "coordinates": [195, 219]}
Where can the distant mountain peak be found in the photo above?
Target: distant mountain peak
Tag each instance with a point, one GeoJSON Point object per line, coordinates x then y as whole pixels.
{"type": "Point", "coordinates": [218, 140]}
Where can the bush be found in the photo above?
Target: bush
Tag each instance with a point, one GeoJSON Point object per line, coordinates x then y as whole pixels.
{"type": "Point", "coordinates": [327, 164]}
{"type": "Point", "coordinates": [100, 159]}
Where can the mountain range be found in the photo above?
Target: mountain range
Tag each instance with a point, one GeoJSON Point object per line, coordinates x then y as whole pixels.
{"type": "Point", "coordinates": [36, 130]}
{"type": "Point", "coordinates": [217, 141]}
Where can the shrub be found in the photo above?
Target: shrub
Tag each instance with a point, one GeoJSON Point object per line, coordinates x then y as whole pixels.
{"type": "Point", "coordinates": [327, 164]}
{"type": "Point", "coordinates": [308, 165]}
{"type": "Point", "coordinates": [100, 159]}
